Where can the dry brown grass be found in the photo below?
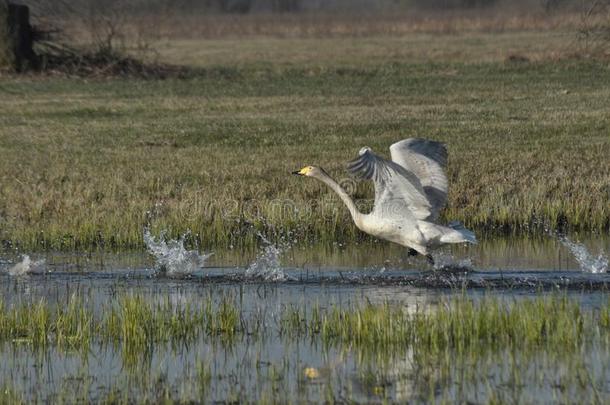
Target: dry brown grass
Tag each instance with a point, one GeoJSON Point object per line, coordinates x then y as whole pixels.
{"type": "Point", "coordinates": [146, 28]}
{"type": "Point", "coordinates": [352, 25]}
{"type": "Point", "coordinates": [368, 52]}
{"type": "Point", "coordinates": [202, 40]}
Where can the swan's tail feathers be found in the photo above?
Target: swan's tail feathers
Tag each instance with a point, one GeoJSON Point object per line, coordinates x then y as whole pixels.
{"type": "Point", "coordinates": [461, 234]}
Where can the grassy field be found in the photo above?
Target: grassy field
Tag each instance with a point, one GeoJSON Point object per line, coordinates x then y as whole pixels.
{"type": "Point", "coordinates": [87, 162]}
{"type": "Point", "coordinates": [369, 52]}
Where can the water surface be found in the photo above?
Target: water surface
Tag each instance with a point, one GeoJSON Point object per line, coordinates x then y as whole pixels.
{"type": "Point", "coordinates": [267, 365]}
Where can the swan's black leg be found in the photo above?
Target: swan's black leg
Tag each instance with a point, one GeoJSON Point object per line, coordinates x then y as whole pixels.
{"type": "Point", "coordinates": [412, 252]}
{"type": "Point", "coordinates": [430, 259]}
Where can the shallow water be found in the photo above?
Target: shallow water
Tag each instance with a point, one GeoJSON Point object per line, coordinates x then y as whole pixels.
{"type": "Point", "coordinates": [270, 365]}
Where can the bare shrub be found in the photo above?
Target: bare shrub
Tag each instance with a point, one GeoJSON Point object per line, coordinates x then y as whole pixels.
{"type": "Point", "coordinates": [235, 6]}
{"type": "Point", "coordinates": [284, 6]}
{"type": "Point", "coordinates": [593, 36]}
{"type": "Point", "coordinates": [101, 37]}
{"type": "Point", "coordinates": [104, 26]}
{"type": "Point", "coordinates": [453, 4]}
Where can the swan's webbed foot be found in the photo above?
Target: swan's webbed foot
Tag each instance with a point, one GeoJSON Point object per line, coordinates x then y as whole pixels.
{"type": "Point", "coordinates": [430, 259]}
{"type": "Point", "coordinates": [412, 252]}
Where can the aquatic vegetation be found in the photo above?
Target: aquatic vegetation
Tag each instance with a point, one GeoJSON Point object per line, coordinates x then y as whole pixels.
{"type": "Point", "coordinates": [9, 395]}
{"type": "Point", "coordinates": [388, 344]}
{"type": "Point", "coordinates": [225, 321]}
{"type": "Point", "coordinates": [38, 325]}
{"type": "Point", "coordinates": [458, 324]}
{"type": "Point", "coordinates": [461, 324]}
{"type": "Point", "coordinates": [138, 324]}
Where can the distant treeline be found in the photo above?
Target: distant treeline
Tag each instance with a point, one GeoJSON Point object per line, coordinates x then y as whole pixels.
{"type": "Point", "coordinates": [290, 6]}
{"type": "Point", "coordinates": [245, 6]}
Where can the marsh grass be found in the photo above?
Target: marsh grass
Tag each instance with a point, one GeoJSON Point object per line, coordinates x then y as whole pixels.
{"type": "Point", "coordinates": [38, 325]}
{"type": "Point", "coordinates": [83, 162]}
{"type": "Point", "coordinates": [458, 324]}
{"type": "Point", "coordinates": [504, 337]}
{"type": "Point", "coordinates": [139, 326]}
{"type": "Point", "coordinates": [10, 396]}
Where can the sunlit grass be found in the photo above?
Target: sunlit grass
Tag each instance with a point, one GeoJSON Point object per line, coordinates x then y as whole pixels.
{"type": "Point", "coordinates": [131, 322]}
{"type": "Point", "coordinates": [38, 325]}
{"type": "Point", "coordinates": [460, 325]}
{"type": "Point", "coordinates": [83, 162]}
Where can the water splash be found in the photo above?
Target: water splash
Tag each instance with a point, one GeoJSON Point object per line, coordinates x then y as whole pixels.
{"type": "Point", "coordinates": [586, 260]}
{"type": "Point", "coordinates": [172, 258]}
{"type": "Point", "coordinates": [446, 261]}
{"type": "Point", "coordinates": [27, 266]}
{"type": "Point", "coordinates": [267, 266]}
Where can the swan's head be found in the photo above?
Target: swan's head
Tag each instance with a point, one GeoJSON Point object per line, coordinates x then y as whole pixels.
{"type": "Point", "coordinates": [364, 150]}
{"type": "Point", "coordinates": [311, 171]}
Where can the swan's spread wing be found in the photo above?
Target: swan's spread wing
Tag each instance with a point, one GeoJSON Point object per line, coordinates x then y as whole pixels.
{"type": "Point", "coordinates": [426, 160]}
{"type": "Point", "coordinates": [398, 192]}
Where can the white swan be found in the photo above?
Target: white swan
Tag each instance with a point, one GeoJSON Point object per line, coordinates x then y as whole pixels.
{"type": "Point", "coordinates": [410, 191]}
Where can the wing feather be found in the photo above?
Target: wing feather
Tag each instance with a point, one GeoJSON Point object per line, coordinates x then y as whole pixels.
{"type": "Point", "coordinates": [398, 192]}
{"type": "Point", "coordinates": [426, 160]}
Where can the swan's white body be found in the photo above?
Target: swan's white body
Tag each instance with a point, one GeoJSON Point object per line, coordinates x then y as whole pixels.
{"type": "Point", "coordinates": [410, 191]}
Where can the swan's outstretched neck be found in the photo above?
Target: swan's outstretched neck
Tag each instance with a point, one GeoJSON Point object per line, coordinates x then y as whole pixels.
{"type": "Point", "coordinates": [351, 206]}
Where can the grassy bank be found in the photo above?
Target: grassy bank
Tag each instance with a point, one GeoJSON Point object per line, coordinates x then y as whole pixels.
{"type": "Point", "coordinates": [83, 161]}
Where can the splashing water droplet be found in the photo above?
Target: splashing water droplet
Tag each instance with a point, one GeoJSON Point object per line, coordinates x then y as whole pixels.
{"type": "Point", "coordinates": [266, 266]}
{"type": "Point", "coordinates": [444, 260]}
{"type": "Point", "coordinates": [586, 260]}
{"type": "Point", "coordinates": [26, 266]}
{"type": "Point", "coordinates": [172, 258]}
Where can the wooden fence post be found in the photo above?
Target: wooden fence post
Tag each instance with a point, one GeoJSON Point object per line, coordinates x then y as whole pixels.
{"type": "Point", "coordinates": [6, 59]}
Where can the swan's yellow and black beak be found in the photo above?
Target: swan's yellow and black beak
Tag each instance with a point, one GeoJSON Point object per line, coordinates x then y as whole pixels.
{"type": "Point", "coordinates": [303, 171]}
